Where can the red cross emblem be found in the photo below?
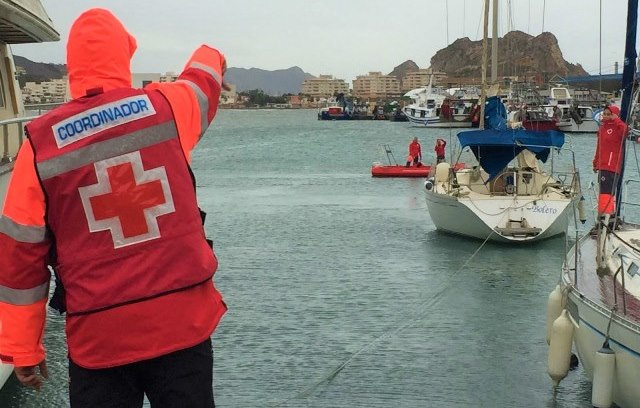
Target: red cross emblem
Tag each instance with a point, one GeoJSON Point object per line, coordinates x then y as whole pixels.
{"type": "Point", "coordinates": [127, 200]}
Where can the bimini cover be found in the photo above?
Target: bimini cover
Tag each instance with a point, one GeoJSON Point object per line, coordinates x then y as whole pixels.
{"type": "Point", "coordinates": [494, 149]}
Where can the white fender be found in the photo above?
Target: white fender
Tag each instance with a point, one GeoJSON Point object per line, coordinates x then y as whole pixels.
{"type": "Point", "coordinates": [554, 308]}
{"type": "Point", "coordinates": [603, 371]}
{"type": "Point", "coordinates": [559, 357]}
{"type": "Point", "coordinates": [582, 215]}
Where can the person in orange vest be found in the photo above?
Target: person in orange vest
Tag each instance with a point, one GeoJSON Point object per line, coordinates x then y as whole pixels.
{"type": "Point", "coordinates": [415, 153]}
{"type": "Point", "coordinates": [102, 192]}
{"type": "Point", "coordinates": [607, 159]}
{"type": "Point", "coordinates": [441, 144]}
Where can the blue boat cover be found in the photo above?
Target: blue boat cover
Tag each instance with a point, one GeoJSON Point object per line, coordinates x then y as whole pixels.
{"type": "Point", "coordinates": [494, 149]}
{"type": "Point", "coordinates": [495, 114]}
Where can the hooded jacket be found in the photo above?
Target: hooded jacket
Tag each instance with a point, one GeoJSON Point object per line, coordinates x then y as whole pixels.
{"type": "Point", "coordinates": [611, 137]}
{"type": "Point", "coordinates": [99, 51]}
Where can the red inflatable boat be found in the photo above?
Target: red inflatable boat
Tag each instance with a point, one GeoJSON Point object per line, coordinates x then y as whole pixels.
{"type": "Point", "coordinates": [396, 170]}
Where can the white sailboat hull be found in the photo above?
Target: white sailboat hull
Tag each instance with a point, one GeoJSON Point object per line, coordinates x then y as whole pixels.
{"type": "Point", "coordinates": [598, 304]}
{"type": "Point", "coordinates": [481, 218]}
{"type": "Point", "coordinates": [591, 322]}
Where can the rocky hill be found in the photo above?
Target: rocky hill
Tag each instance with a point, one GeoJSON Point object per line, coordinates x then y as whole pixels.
{"type": "Point", "coordinates": [276, 82]}
{"type": "Point", "coordinates": [518, 54]}
{"type": "Point", "coordinates": [401, 70]}
{"type": "Point", "coordinates": [38, 71]}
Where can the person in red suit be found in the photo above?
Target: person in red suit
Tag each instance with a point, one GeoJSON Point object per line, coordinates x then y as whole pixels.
{"type": "Point", "coordinates": [441, 144]}
{"type": "Point", "coordinates": [102, 191]}
{"type": "Point", "coordinates": [607, 159]}
{"type": "Point", "coordinates": [415, 153]}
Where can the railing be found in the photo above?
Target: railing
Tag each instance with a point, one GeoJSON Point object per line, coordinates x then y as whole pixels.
{"type": "Point", "coordinates": [41, 107]}
{"type": "Point", "coordinates": [12, 136]}
{"type": "Point", "coordinates": [506, 182]}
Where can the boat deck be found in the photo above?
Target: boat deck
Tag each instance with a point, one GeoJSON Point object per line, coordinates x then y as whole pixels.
{"type": "Point", "coordinates": [600, 288]}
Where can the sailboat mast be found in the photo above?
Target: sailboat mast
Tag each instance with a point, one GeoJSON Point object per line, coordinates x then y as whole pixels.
{"type": "Point", "coordinates": [628, 79]}
{"type": "Point", "coordinates": [485, 34]}
{"type": "Point", "coordinates": [630, 55]}
{"type": "Point", "coordinates": [494, 44]}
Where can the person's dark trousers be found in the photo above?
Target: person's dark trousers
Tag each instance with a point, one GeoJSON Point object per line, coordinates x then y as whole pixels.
{"type": "Point", "coordinates": [180, 379]}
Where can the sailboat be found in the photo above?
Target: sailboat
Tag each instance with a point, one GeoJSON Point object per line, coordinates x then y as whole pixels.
{"type": "Point", "coordinates": [21, 21]}
{"type": "Point", "coordinates": [509, 196]}
{"type": "Point", "coordinates": [596, 305]}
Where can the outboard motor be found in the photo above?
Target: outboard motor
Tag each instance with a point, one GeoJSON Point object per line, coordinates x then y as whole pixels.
{"type": "Point", "coordinates": [428, 184]}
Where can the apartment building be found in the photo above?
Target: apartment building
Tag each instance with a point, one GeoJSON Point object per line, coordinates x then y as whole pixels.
{"type": "Point", "coordinates": [53, 91]}
{"type": "Point", "coordinates": [325, 86]}
{"type": "Point", "coordinates": [376, 85]}
{"type": "Point", "coordinates": [420, 78]}
{"type": "Point", "coordinates": [57, 90]}
{"type": "Point", "coordinates": [142, 79]}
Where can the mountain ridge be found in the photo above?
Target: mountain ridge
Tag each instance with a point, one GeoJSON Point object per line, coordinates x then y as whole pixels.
{"type": "Point", "coordinates": [519, 54]}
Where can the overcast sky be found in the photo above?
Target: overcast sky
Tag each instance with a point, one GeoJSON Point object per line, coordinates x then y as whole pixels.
{"type": "Point", "coordinates": [345, 38]}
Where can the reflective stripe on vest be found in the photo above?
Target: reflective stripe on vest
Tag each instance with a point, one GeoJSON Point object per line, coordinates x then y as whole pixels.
{"type": "Point", "coordinates": [110, 148]}
{"type": "Point", "coordinates": [203, 103]}
{"type": "Point", "coordinates": [22, 297]}
{"type": "Point", "coordinates": [22, 233]}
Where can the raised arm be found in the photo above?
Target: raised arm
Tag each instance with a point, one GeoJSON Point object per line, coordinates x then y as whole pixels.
{"type": "Point", "coordinates": [195, 95]}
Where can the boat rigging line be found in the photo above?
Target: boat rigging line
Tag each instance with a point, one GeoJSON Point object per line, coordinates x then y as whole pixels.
{"type": "Point", "coordinates": [414, 314]}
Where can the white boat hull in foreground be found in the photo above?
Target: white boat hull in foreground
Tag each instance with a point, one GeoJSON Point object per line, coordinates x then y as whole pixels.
{"type": "Point", "coordinates": [591, 301]}
{"type": "Point", "coordinates": [5, 373]}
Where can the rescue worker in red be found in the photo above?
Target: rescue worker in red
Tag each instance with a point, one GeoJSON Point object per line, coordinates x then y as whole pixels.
{"type": "Point", "coordinates": [102, 191]}
{"type": "Point", "coordinates": [415, 153]}
{"type": "Point", "coordinates": [607, 159]}
{"type": "Point", "coordinates": [441, 144]}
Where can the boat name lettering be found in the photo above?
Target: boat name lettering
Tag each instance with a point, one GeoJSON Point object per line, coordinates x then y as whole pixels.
{"type": "Point", "coordinates": [544, 209]}
{"type": "Point", "coordinates": [101, 118]}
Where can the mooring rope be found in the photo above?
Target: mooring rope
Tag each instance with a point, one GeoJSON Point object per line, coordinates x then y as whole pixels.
{"type": "Point", "coordinates": [415, 314]}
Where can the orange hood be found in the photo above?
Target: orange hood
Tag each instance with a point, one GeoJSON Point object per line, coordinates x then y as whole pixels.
{"type": "Point", "coordinates": [99, 52]}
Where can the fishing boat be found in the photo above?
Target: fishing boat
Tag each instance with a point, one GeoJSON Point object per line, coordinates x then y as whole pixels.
{"type": "Point", "coordinates": [432, 107]}
{"type": "Point", "coordinates": [596, 305]}
{"type": "Point", "coordinates": [574, 118]}
{"type": "Point", "coordinates": [21, 21]}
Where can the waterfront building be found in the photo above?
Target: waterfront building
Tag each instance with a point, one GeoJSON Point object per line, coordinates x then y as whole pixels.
{"type": "Point", "coordinates": [325, 86]}
{"type": "Point", "coordinates": [420, 78]}
{"type": "Point", "coordinates": [52, 91]}
{"type": "Point", "coordinates": [169, 77]}
{"type": "Point", "coordinates": [140, 80]}
{"type": "Point", "coordinates": [229, 97]}
{"type": "Point", "coordinates": [375, 85]}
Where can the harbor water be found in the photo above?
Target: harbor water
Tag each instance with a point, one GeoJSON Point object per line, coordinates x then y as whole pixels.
{"type": "Point", "coordinates": [340, 291]}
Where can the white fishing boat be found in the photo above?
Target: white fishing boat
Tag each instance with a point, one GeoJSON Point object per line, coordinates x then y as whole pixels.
{"type": "Point", "coordinates": [508, 196]}
{"type": "Point", "coordinates": [574, 118]}
{"type": "Point", "coordinates": [432, 107]}
{"type": "Point", "coordinates": [596, 305]}
{"type": "Point", "coordinates": [21, 21]}
{"type": "Point", "coordinates": [423, 106]}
